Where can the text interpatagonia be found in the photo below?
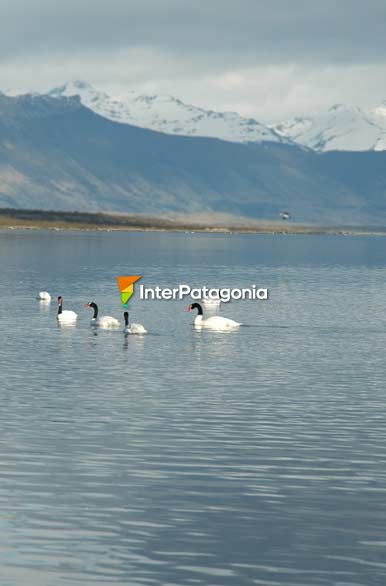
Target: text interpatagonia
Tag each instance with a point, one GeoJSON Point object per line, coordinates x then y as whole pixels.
{"type": "Point", "coordinates": [224, 294]}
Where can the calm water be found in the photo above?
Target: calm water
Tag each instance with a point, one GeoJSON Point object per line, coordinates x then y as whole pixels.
{"type": "Point", "coordinates": [184, 458]}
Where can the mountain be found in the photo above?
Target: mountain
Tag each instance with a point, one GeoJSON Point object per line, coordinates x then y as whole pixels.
{"type": "Point", "coordinates": [168, 114]}
{"type": "Point", "coordinates": [57, 154]}
{"type": "Point", "coordinates": [341, 128]}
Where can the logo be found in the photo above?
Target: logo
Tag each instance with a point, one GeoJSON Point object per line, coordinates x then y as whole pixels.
{"type": "Point", "coordinates": [126, 287]}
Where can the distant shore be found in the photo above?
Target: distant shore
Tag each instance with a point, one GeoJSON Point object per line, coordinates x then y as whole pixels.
{"type": "Point", "coordinates": [16, 219]}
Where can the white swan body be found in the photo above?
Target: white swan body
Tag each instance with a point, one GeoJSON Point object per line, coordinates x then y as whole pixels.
{"type": "Point", "coordinates": [105, 322]}
{"type": "Point", "coordinates": [44, 296]}
{"type": "Point", "coordinates": [65, 316]}
{"type": "Point", "coordinates": [133, 328]}
{"type": "Point", "coordinates": [216, 322]}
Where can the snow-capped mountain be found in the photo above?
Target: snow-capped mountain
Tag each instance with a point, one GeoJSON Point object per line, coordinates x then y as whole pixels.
{"type": "Point", "coordinates": [341, 128]}
{"type": "Point", "coordinates": [92, 164]}
{"type": "Point", "coordinates": [169, 115]}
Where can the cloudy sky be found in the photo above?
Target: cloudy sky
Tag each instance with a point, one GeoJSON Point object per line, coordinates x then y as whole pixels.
{"type": "Point", "coordinates": [271, 59]}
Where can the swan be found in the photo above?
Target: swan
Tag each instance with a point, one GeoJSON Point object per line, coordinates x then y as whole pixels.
{"type": "Point", "coordinates": [216, 322]}
{"type": "Point", "coordinates": [44, 296]}
{"type": "Point", "coordinates": [67, 316]}
{"type": "Point", "coordinates": [133, 328]}
{"type": "Point", "coordinates": [105, 322]}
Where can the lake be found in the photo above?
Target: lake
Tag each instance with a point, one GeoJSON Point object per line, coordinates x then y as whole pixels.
{"type": "Point", "coordinates": [182, 457]}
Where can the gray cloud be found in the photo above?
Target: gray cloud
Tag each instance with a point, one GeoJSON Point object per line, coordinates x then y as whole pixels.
{"type": "Point", "coordinates": [267, 58]}
{"type": "Point", "coordinates": [347, 30]}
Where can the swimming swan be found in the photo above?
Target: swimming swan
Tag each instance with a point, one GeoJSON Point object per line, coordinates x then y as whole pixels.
{"type": "Point", "coordinates": [44, 296]}
{"type": "Point", "coordinates": [216, 322]}
{"type": "Point", "coordinates": [65, 316]}
{"type": "Point", "coordinates": [133, 328]}
{"type": "Point", "coordinates": [105, 322]}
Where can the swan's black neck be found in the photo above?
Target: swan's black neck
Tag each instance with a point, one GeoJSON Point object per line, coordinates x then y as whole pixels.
{"type": "Point", "coordinates": [95, 308]}
{"type": "Point", "coordinates": [126, 316]}
{"type": "Point", "coordinates": [60, 305]}
{"type": "Point", "coordinates": [198, 307]}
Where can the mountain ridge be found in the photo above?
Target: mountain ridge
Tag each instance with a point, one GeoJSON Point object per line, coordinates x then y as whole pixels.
{"type": "Point", "coordinates": [341, 127]}
{"type": "Point", "coordinates": [57, 154]}
{"type": "Point", "coordinates": [168, 114]}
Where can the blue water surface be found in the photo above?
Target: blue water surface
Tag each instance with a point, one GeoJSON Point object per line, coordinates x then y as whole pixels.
{"type": "Point", "coordinates": [185, 457]}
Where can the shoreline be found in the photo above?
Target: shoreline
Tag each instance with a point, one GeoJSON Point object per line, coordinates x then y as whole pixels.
{"type": "Point", "coordinates": [11, 219]}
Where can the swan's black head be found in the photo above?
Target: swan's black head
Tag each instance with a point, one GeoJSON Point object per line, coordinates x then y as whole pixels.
{"type": "Point", "coordinates": [126, 316]}
{"type": "Point", "coordinates": [90, 304]}
{"type": "Point", "coordinates": [195, 306]}
{"type": "Point", "coordinates": [94, 307]}
{"type": "Point", "coordinates": [60, 300]}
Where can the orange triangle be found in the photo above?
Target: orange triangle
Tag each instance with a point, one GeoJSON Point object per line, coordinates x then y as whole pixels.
{"type": "Point", "coordinates": [125, 283]}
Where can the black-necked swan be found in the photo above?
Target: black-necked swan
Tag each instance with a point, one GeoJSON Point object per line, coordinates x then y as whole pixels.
{"type": "Point", "coordinates": [216, 322]}
{"type": "Point", "coordinates": [44, 296]}
{"type": "Point", "coordinates": [132, 328]}
{"type": "Point", "coordinates": [104, 322]}
{"type": "Point", "coordinates": [65, 316]}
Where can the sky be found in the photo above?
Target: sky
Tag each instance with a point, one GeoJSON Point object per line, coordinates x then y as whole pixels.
{"type": "Point", "coordinates": [270, 59]}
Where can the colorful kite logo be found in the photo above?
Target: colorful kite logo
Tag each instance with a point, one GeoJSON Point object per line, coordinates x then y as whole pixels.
{"type": "Point", "coordinates": [126, 287]}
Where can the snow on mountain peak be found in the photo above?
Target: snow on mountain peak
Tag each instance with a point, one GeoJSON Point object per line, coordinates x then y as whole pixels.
{"type": "Point", "coordinates": [168, 114]}
{"type": "Point", "coordinates": [72, 88]}
{"type": "Point", "coordinates": [342, 128]}
{"type": "Point", "coordinates": [340, 108]}
{"type": "Point", "coordinates": [379, 111]}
